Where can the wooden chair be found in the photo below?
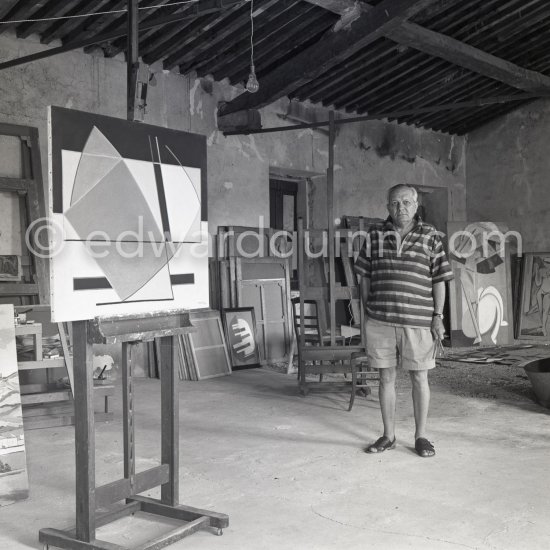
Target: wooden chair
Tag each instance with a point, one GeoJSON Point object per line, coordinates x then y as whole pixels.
{"type": "Point", "coordinates": [310, 323]}
{"type": "Point", "coordinates": [362, 376]}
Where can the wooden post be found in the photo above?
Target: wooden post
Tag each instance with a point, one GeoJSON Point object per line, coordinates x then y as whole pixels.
{"type": "Point", "coordinates": [169, 422]}
{"type": "Point", "coordinates": [302, 286]}
{"type": "Point", "coordinates": [128, 416]}
{"type": "Point", "coordinates": [330, 219]}
{"type": "Point", "coordinates": [84, 429]}
{"type": "Point", "coordinates": [132, 56]}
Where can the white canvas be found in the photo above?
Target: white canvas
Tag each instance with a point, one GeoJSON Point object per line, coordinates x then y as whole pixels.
{"type": "Point", "coordinates": [128, 229]}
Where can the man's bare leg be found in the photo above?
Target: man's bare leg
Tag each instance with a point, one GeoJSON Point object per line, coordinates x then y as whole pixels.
{"type": "Point", "coordinates": [386, 395]}
{"type": "Point", "coordinates": [421, 400]}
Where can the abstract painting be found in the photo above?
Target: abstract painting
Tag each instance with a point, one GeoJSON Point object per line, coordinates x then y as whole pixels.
{"type": "Point", "coordinates": [480, 294]}
{"type": "Point", "coordinates": [535, 297]}
{"type": "Point", "coordinates": [14, 483]}
{"type": "Point", "coordinates": [240, 329]}
{"type": "Point", "coordinates": [128, 219]}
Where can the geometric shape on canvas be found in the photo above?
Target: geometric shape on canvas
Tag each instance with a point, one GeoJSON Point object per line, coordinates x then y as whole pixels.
{"type": "Point", "coordinates": [91, 170]}
{"type": "Point", "coordinates": [115, 209]}
{"type": "Point", "coordinates": [182, 202]}
{"type": "Point", "coordinates": [131, 266]}
{"type": "Point", "coordinates": [159, 287]}
{"type": "Point", "coordinates": [99, 156]}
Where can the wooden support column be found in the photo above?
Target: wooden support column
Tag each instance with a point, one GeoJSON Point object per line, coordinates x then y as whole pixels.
{"type": "Point", "coordinates": [330, 220]}
{"type": "Point", "coordinates": [169, 422]}
{"type": "Point", "coordinates": [302, 282]}
{"type": "Point", "coordinates": [84, 429]}
{"type": "Point", "coordinates": [132, 56]}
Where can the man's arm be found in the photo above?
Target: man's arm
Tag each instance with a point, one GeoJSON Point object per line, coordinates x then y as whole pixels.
{"type": "Point", "coordinates": [365, 287]}
{"type": "Point", "coordinates": [438, 293]}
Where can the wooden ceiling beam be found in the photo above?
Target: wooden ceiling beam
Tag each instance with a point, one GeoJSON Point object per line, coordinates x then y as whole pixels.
{"type": "Point", "coordinates": [454, 51]}
{"type": "Point", "coordinates": [52, 10]}
{"type": "Point", "coordinates": [334, 47]}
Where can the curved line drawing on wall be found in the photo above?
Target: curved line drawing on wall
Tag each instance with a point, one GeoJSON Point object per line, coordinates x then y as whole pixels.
{"type": "Point", "coordinates": [242, 330]}
{"type": "Point", "coordinates": [486, 315]}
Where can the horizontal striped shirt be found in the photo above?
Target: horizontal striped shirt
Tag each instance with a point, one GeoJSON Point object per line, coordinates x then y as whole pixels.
{"type": "Point", "coordinates": [402, 271]}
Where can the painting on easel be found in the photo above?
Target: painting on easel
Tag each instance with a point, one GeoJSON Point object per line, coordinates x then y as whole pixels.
{"type": "Point", "coordinates": [480, 294]}
{"type": "Point", "coordinates": [128, 210]}
{"type": "Point", "coordinates": [14, 485]}
{"type": "Point", "coordinates": [534, 308]}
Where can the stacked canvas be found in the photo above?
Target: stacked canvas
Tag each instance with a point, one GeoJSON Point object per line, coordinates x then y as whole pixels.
{"type": "Point", "coordinates": [13, 465]}
{"type": "Point", "coordinates": [203, 353]}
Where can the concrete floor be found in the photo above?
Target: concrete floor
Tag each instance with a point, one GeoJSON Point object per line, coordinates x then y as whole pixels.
{"type": "Point", "coordinates": [291, 471]}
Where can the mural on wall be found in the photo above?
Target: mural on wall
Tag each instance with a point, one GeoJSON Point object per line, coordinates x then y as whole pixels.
{"type": "Point", "coordinates": [480, 294]}
{"type": "Point", "coordinates": [535, 297]}
{"type": "Point", "coordinates": [14, 483]}
{"type": "Point", "coordinates": [128, 206]}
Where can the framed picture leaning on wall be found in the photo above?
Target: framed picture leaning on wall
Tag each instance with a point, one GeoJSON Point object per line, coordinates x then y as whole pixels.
{"type": "Point", "coordinates": [240, 330]}
{"type": "Point", "coordinates": [533, 315]}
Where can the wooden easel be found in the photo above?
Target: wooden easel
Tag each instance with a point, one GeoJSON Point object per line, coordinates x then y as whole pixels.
{"type": "Point", "coordinates": [120, 497]}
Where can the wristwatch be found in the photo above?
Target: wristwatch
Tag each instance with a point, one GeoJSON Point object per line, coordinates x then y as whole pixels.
{"type": "Point", "coordinates": [440, 315]}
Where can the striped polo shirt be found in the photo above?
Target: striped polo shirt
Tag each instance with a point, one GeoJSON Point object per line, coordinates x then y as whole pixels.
{"type": "Point", "coordinates": [402, 272]}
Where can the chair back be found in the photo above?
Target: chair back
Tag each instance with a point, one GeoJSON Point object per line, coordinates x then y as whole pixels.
{"type": "Point", "coordinates": [307, 321]}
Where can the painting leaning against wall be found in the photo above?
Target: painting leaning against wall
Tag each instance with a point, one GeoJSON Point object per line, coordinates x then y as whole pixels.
{"type": "Point", "coordinates": [535, 297]}
{"type": "Point", "coordinates": [13, 465]}
{"type": "Point", "coordinates": [480, 294]}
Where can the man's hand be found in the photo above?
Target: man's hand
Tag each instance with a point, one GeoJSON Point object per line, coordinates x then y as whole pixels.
{"type": "Point", "coordinates": [438, 330]}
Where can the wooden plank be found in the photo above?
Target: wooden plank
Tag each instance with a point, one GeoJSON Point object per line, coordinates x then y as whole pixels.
{"type": "Point", "coordinates": [132, 63]}
{"type": "Point", "coordinates": [331, 50]}
{"type": "Point", "coordinates": [104, 518]}
{"type": "Point", "coordinates": [65, 408]}
{"type": "Point", "coordinates": [36, 210]}
{"type": "Point", "coordinates": [225, 28]}
{"type": "Point", "coordinates": [34, 398]}
{"type": "Point", "coordinates": [67, 354]}
{"type": "Point", "coordinates": [173, 536]}
{"type": "Point", "coordinates": [62, 539]}
{"type": "Point", "coordinates": [471, 58]}
{"type": "Point", "coordinates": [128, 426]}
{"type": "Point", "coordinates": [55, 363]}
{"type": "Point", "coordinates": [15, 185]}
{"type": "Point", "coordinates": [454, 51]}
{"type": "Point", "coordinates": [19, 289]}
{"type": "Point", "coordinates": [84, 433]}
{"type": "Point", "coordinates": [38, 422]}
{"type": "Point", "coordinates": [210, 6]}
{"type": "Point", "coordinates": [169, 422]}
{"type": "Point", "coordinates": [182, 512]}
{"type": "Point", "coordinates": [330, 225]}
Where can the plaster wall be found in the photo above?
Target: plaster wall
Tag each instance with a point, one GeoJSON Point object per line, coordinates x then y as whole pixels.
{"type": "Point", "coordinates": [370, 157]}
{"type": "Point", "coordinates": [508, 166]}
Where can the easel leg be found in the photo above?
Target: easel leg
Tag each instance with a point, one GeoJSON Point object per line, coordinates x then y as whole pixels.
{"type": "Point", "coordinates": [84, 433]}
{"type": "Point", "coordinates": [128, 416]}
{"type": "Point", "coordinates": [169, 422]}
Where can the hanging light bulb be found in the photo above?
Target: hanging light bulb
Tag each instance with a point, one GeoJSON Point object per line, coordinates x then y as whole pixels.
{"type": "Point", "coordinates": [252, 84]}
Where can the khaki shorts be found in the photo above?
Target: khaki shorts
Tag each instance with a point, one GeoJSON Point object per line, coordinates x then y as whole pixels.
{"type": "Point", "coordinates": [388, 346]}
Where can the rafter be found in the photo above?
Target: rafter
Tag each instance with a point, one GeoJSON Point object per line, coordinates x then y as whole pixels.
{"type": "Point", "coordinates": [335, 46]}
{"type": "Point", "coordinates": [454, 51]}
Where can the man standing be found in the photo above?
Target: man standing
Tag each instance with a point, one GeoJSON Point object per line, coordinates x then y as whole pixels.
{"type": "Point", "coordinates": [403, 270]}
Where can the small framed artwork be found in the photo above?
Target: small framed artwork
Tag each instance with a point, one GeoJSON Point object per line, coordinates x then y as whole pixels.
{"type": "Point", "coordinates": [240, 330]}
{"type": "Point", "coordinates": [534, 310]}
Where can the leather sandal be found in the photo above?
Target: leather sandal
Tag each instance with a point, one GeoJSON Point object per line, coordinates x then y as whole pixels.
{"type": "Point", "coordinates": [424, 448]}
{"type": "Point", "coordinates": [381, 444]}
